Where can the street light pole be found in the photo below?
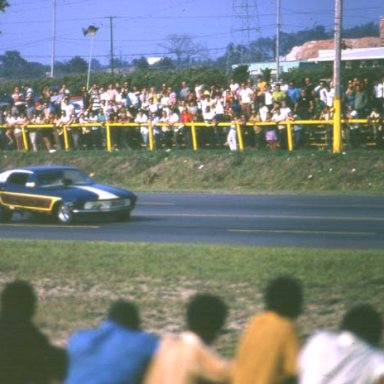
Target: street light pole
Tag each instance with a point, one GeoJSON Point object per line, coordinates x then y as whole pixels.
{"type": "Point", "coordinates": [53, 37]}
{"type": "Point", "coordinates": [278, 24]}
{"type": "Point", "coordinates": [112, 53]}
{"type": "Point", "coordinates": [91, 30]}
{"type": "Point", "coordinates": [337, 135]}
{"type": "Point", "coordinates": [89, 62]}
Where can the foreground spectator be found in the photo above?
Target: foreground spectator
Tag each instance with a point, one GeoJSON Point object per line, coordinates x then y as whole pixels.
{"type": "Point", "coordinates": [268, 350]}
{"type": "Point", "coordinates": [118, 351]}
{"type": "Point", "coordinates": [26, 356]}
{"type": "Point", "coordinates": [348, 356]}
{"type": "Point", "coordinates": [187, 358]}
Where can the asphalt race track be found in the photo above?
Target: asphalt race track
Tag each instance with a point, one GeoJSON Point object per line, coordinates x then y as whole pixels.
{"type": "Point", "coordinates": [253, 220]}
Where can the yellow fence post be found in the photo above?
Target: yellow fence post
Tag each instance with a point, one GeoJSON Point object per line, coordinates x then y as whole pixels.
{"type": "Point", "coordinates": [150, 133]}
{"type": "Point", "coordinates": [337, 137]}
{"type": "Point", "coordinates": [194, 139]}
{"type": "Point", "coordinates": [289, 136]}
{"type": "Point", "coordinates": [25, 140]}
{"type": "Point", "coordinates": [239, 136]}
{"type": "Point", "coordinates": [66, 142]}
{"type": "Point", "coordinates": [108, 137]}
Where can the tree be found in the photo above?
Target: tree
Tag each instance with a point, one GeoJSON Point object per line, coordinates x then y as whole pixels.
{"type": "Point", "coordinates": [141, 64]}
{"type": "Point", "coordinates": [3, 4]}
{"type": "Point", "coordinates": [365, 30]}
{"type": "Point", "coordinates": [77, 65]}
{"type": "Point", "coordinates": [241, 73]}
{"type": "Point", "coordinates": [165, 63]}
{"type": "Point", "coordinates": [12, 65]}
{"type": "Point", "coordinates": [185, 50]}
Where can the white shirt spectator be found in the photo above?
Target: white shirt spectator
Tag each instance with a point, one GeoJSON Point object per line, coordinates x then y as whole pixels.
{"type": "Point", "coordinates": [339, 358]}
{"type": "Point", "coordinates": [246, 95]}
{"type": "Point", "coordinates": [378, 90]}
{"type": "Point", "coordinates": [263, 113]}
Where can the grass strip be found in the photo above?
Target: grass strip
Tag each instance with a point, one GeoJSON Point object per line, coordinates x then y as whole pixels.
{"type": "Point", "coordinates": [77, 281]}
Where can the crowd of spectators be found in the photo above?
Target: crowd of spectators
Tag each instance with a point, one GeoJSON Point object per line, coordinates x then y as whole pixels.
{"type": "Point", "coordinates": [119, 351]}
{"type": "Point", "coordinates": [168, 112]}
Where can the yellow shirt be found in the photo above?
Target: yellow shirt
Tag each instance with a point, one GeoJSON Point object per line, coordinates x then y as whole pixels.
{"type": "Point", "coordinates": [183, 359]}
{"type": "Point", "coordinates": [267, 352]}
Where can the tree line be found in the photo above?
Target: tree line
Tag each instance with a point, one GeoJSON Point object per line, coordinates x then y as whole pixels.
{"type": "Point", "coordinates": [181, 53]}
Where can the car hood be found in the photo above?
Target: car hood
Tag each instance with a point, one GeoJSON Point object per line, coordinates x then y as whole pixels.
{"type": "Point", "coordinates": [91, 192]}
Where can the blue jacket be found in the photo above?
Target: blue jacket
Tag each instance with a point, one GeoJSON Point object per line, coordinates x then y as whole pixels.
{"type": "Point", "coordinates": [109, 354]}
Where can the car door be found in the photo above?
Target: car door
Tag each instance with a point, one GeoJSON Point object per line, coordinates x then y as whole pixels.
{"type": "Point", "coordinates": [22, 192]}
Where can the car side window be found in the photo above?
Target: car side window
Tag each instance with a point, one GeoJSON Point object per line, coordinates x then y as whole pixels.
{"type": "Point", "coordinates": [18, 178]}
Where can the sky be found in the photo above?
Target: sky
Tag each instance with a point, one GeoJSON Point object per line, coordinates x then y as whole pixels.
{"type": "Point", "coordinates": [143, 27]}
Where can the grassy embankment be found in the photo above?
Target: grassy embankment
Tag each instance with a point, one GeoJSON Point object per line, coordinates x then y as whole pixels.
{"type": "Point", "coordinates": [247, 172]}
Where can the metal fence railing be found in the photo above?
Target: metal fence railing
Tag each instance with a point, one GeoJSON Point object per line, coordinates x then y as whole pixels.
{"type": "Point", "coordinates": [318, 132]}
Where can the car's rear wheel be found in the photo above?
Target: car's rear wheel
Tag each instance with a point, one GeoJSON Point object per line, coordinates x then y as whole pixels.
{"type": "Point", "coordinates": [5, 214]}
{"type": "Point", "coordinates": [63, 214]}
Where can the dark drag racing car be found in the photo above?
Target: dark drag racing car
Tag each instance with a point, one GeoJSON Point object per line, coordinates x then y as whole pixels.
{"type": "Point", "coordinates": [63, 192]}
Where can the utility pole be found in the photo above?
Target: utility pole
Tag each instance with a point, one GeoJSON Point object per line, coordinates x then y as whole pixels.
{"type": "Point", "coordinates": [246, 14]}
{"type": "Point", "coordinates": [53, 37]}
{"type": "Point", "coordinates": [278, 25]}
{"type": "Point", "coordinates": [337, 136]}
{"type": "Point", "coordinates": [112, 64]}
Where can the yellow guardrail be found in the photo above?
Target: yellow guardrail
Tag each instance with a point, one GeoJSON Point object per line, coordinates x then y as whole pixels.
{"type": "Point", "coordinates": [193, 125]}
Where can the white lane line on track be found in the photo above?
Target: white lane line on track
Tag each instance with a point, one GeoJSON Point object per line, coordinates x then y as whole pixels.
{"type": "Point", "coordinates": [302, 232]}
{"type": "Point", "coordinates": [154, 203]}
{"type": "Point", "coordinates": [352, 218]}
{"type": "Point", "coordinates": [49, 226]}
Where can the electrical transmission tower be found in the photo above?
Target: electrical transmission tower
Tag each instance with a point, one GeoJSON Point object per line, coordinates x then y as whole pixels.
{"type": "Point", "coordinates": [245, 27]}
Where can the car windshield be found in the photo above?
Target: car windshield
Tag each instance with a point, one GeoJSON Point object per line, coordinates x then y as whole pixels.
{"type": "Point", "coordinates": [65, 177]}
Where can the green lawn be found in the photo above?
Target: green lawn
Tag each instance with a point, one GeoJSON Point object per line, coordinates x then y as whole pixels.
{"type": "Point", "coordinates": [77, 281]}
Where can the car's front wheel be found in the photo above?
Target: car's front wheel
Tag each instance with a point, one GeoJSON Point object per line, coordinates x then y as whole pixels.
{"type": "Point", "coordinates": [63, 213]}
{"type": "Point", "coordinates": [5, 214]}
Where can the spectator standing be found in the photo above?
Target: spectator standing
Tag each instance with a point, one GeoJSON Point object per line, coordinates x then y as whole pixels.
{"type": "Point", "coordinates": [293, 94]}
{"type": "Point", "coordinates": [258, 130]}
{"type": "Point", "coordinates": [232, 135]}
{"type": "Point", "coordinates": [174, 126]}
{"type": "Point", "coordinates": [186, 118]}
{"type": "Point", "coordinates": [268, 97]}
{"type": "Point", "coordinates": [348, 356]}
{"type": "Point", "coordinates": [95, 101]}
{"type": "Point", "coordinates": [117, 351]}
{"type": "Point", "coordinates": [34, 133]}
{"type": "Point", "coordinates": [246, 97]}
{"type": "Point", "coordinates": [156, 129]}
{"type": "Point", "coordinates": [184, 91]}
{"type": "Point", "coordinates": [187, 358]}
{"type": "Point", "coordinates": [278, 95]}
{"type": "Point", "coordinates": [233, 86]}
{"type": "Point", "coordinates": [378, 94]}
{"type": "Point", "coordinates": [361, 101]}
{"type": "Point", "coordinates": [280, 114]}
{"type": "Point", "coordinates": [26, 355]}
{"type": "Point", "coordinates": [349, 95]}
{"type": "Point", "coordinates": [303, 106]}
{"type": "Point", "coordinates": [268, 350]}
{"type": "Point", "coordinates": [18, 100]}
{"type": "Point", "coordinates": [142, 119]}
{"type": "Point", "coordinates": [308, 87]}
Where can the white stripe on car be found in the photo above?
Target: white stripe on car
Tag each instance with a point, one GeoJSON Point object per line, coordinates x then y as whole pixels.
{"type": "Point", "coordinates": [102, 195]}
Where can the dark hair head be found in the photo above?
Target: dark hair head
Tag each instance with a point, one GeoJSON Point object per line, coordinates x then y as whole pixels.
{"type": "Point", "coordinates": [206, 315]}
{"type": "Point", "coordinates": [284, 295]}
{"type": "Point", "coordinates": [18, 301]}
{"type": "Point", "coordinates": [365, 322]}
{"type": "Point", "coordinates": [125, 313]}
